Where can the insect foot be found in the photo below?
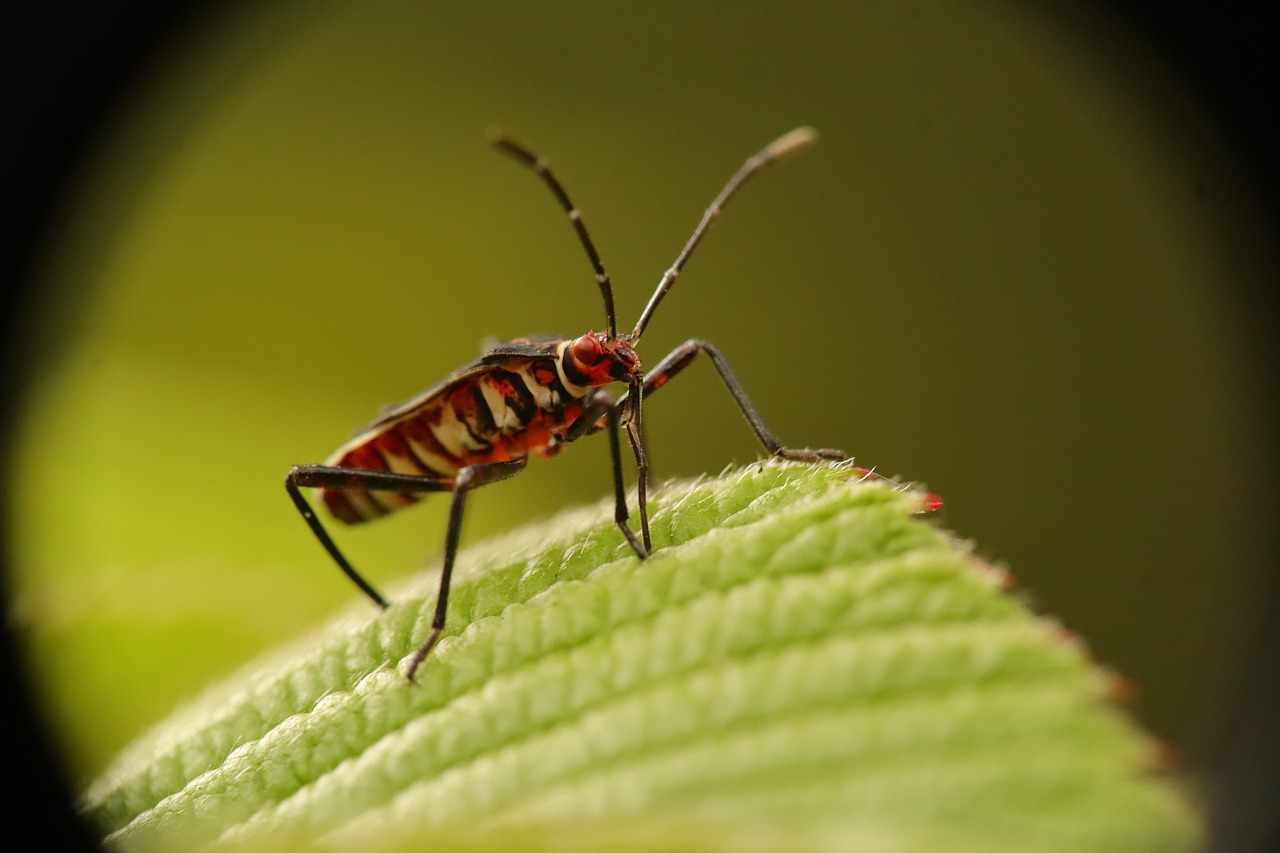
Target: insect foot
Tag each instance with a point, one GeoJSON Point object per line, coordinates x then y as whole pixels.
{"type": "Point", "coordinates": [805, 454]}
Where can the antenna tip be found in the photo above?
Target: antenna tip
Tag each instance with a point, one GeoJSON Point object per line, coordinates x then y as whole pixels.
{"type": "Point", "coordinates": [504, 143]}
{"type": "Point", "coordinates": [789, 143]}
{"type": "Point", "coordinates": [498, 138]}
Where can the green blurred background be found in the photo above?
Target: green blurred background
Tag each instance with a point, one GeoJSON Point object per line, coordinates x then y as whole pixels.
{"type": "Point", "coordinates": [1011, 270]}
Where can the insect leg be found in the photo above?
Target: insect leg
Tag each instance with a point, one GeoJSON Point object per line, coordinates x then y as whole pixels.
{"type": "Point", "coordinates": [631, 419]}
{"type": "Point", "coordinates": [602, 404]}
{"type": "Point", "coordinates": [324, 476]}
{"type": "Point", "coordinates": [468, 478]}
{"type": "Point", "coordinates": [685, 354]}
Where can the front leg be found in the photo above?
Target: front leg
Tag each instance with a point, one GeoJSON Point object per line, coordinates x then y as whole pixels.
{"type": "Point", "coordinates": [688, 352]}
{"type": "Point", "coordinates": [601, 405]}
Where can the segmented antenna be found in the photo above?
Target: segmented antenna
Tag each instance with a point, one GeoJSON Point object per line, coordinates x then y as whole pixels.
{"type": "Point", "coordinates": [533, 161]}
{"type": "Point", "coordinates": [787, 144]}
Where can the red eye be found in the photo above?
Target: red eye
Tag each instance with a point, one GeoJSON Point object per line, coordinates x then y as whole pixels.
{"type": "Point", "coordinates": [586, 351]}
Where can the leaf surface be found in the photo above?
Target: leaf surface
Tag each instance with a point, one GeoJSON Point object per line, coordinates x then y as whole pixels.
{"type": "Point", "coordinates": [805, 663]}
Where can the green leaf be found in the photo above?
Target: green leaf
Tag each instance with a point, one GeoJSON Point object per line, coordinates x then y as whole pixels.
{"type": "Point", "coordinates": [803, 664]}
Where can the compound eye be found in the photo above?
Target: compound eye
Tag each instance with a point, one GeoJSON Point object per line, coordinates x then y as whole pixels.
{"type": "Point", "coordinates": [586, 351]}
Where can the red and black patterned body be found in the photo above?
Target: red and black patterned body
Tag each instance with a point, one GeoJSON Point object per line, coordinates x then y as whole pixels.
{"type": "Point", "coordinates": [518, 400]}
{"type": "Point", "coordinates": [525, 398]}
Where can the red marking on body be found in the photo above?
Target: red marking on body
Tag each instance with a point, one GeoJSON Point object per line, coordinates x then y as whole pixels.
{"type": "Point", "coordinates": [537, 438]}
{"type": "Point", "coordinates": [338, 501]}
{"type": "Point", "coordinates": [544, 373]}
{"type": "Point", "coordinates": [498, 452]}
{"type": "Point", "coordinates": [391, 442]}
{"type": "Point", "coordinates": [466, 407]}
{"type": "Point", "coordinates": [365, 457]}
{"type": "Point", "coordinates": [462, 400]}
{"type": "Point", "coordinates": [418, 430]}
{"type": "Point", "coordinates": [339, 507]}
{"type": "Point", "coordinates": [502, 385]}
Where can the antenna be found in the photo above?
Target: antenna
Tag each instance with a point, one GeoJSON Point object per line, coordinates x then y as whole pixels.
{"type": "Point", "coordinates": [789, 143]}
{"type": "Point", "coordinates": [533, 161]}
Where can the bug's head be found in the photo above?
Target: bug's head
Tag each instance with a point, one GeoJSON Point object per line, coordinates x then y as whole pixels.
{"type": "Point", "coordinates": [601, 359]}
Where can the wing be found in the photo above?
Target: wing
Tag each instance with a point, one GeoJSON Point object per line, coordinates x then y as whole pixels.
{"type": "Point", "coordinates": [530, 347]}
{"type": "Point", "coordinates": [534, 346]}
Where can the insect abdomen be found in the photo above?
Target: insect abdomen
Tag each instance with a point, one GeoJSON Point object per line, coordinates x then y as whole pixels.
{"type": "Point", "coordinates": [505, 412]}
{"type": "Point", "coordinates": [408, 446]}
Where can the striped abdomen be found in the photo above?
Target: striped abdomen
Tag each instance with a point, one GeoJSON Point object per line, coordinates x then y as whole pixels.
{"type": "Point", "coordinates": [489, 412]}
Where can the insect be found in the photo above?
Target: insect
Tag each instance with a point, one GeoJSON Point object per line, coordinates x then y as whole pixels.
{"type": "Point", "coordinates": [531, 396]}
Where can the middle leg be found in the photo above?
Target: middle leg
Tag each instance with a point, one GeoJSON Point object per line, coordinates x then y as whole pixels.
{"type": "Point", "coordinates": [468, 478]}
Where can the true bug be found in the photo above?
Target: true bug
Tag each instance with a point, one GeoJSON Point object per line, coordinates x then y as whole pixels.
{"type": "Point", "coordinates": [529, 396]}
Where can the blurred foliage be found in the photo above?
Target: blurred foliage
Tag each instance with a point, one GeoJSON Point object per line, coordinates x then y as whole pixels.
{"type": "Point", "coordinates": [1007, 270]}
